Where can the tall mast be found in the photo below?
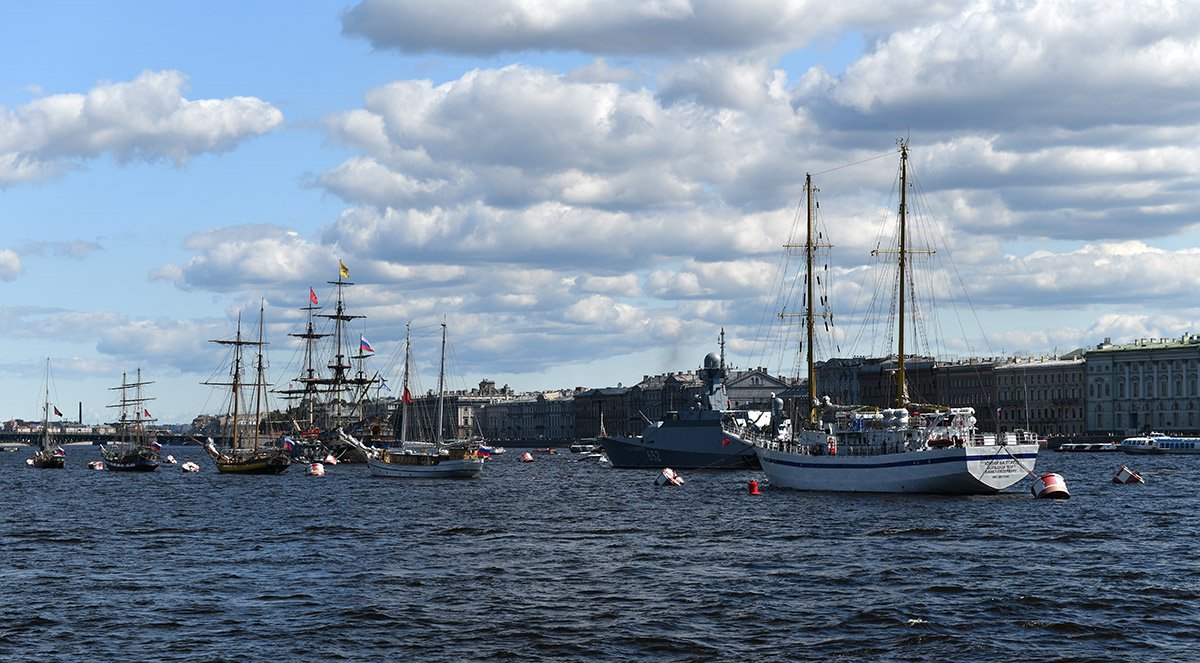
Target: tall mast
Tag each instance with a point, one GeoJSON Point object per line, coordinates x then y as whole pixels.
{"type": "Point", "coordinates": [131, 428]}
{"type": "Point", "coordinates": [46, 410]}
{"type": "Point", "coordinates": [901, 392]}
{"type": "Point", "coordinates": [339, 382]}
{"type": "Point", "coordinates": [441, 386]}
{"type": "Point", "coordinates": [124, 405]}
{"type": "Point", "coordinates": [810, 314]}
{"type": "Point", "coordinates": [307, 393]}
{"type": "Point", "coordinates": [235, 370]}
{"type": "Point", "coordinates": [404, 392]}
{"type": "Point", "coordinates": [809, 318]}
{"type": "Point", "coordinates": [237, 379]}
{"type": "Point", "coordinates": [260, 377]}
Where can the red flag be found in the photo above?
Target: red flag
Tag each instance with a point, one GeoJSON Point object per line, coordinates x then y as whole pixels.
{"type": "Point", "coordinates": [407, 397]}
{"type": "Point", "coordinates": [146, 413]}
{"type": "Point", "coordinates": [56, 412]}
{"type": "Point", "coordinates": [312, 296]}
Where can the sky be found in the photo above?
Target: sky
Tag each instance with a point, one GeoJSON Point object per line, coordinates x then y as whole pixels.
{"type": "Point", "coordinates": [583, 192]}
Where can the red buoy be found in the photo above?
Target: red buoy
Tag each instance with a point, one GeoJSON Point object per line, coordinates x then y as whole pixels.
{"type": "Point", "coordinates": [1050, 486]}
{"type": "Point", "coordinates": [527, 457]}
{"type": "Point", "coordinates": [753, 487]}
{"type": "Point", "coordinates": [668, 477]}
{"type": "Point", "coordinates": [1126, 475]}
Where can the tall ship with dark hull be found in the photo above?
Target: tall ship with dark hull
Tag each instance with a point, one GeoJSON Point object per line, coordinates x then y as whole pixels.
{"type": "Point", "coordinates": [331, 400]}
{"type": "Point", "coordinates": [49, 455]}
{"type": "Point", "coordinates": [250, 450]}
{"type": "Point", "coordinates": [134, 450]}
{"type": "Point", "coordinates": [695, 438]}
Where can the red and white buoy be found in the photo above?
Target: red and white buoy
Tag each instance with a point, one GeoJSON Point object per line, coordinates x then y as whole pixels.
{"type": "Point", "coordinates": [1126, 475]}
{"type": "Point", "coordinates": [1050, 486]}
{"type": "Point", "coordinates": [752, 487]}
{"type": "Point", "coordinates": [95, 465]}
{"type": "Point", "coordinates": [330, 460]}
{"type": "Point", "coordinates": [527, 457]}
{"type": "Point", "coordinates": [189, 466]}
{"type": "Point", "coordinates": [171, 460]}
{"type": "Point", "coordinates": [315, 470]}
{"type": "Point", "coordinates": [668, 477]}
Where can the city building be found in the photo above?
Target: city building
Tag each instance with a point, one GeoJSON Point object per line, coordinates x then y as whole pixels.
{"type": "Point", "coordinates": [1151, 383]}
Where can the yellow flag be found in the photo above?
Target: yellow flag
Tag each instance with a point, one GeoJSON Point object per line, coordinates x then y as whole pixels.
{"type": "Point", "coordinates": [345, 271]}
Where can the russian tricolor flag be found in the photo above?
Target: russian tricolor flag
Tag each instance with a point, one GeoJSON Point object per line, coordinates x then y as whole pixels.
{"type": "Point", "coordinates": [156, 446]}
{"type": "Point", "coordinates": [288, 444]}
{"type": "Point", "coordinates": [363, 345]}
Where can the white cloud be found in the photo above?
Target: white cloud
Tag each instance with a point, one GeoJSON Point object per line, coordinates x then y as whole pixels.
{"type": "Point", "coordinates": [146, 119]}
{"type": "Point", "coordinates": [639, 203]}
{"type": "Point", "coordinates": [249, 256]}
{"type": "Point", "coordinates": [11, 267]}
{"type": "Point", "coordinates": [1012, 64]}
{"type": "Point", "coordinates": [618, 27]}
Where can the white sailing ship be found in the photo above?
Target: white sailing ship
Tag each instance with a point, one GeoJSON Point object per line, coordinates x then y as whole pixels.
{"type": "Point", "coordinates": [435, 460]}
{"type": "Point", "coordinates": [910, 448]}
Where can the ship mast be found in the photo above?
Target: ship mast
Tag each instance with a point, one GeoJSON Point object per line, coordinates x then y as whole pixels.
{"type": "Point", "coordinates": [901, 391]}
{"type": "Point", "coordinates": [441, 387]}
{"type": "Point", "coordinates": [260, 381]}
{"type": "Point", "coordinates": [236, 373]}
{"type": "Point", "coordinates": [46, 411]}
{"type": "Point", "coordinates": [810, 314]}
{"type": "Point", "coordinates": [809, 318]}
{"type": "Point", "coordinates": [404, 393]}
{"type": "Point", "coordinates": [343, 401]}
{"type": "Point", "coordinates": [308, 378]}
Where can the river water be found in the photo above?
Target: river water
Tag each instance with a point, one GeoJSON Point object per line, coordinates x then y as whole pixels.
{"type": "Point", "coordinates": [562, 559]}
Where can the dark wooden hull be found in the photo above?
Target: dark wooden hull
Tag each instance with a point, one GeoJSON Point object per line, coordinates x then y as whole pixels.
{"type": "Point", "coordinates": [141, 460]}
{"type": "Point", "coordinates": [48, 462]}
{"type": "Point", "coordinates": [258, 463]}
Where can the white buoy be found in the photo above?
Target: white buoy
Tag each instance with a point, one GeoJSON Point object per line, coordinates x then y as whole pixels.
{"type": "Point", "coordinates": [316, 470]}
{"type": "Point", "coordinates": [1126, 475]}
{"type": "Point", "coordinates": [668, 477]}
{"type": "Point", "coordinates": [189, 466]}
{"type": "Point", "coordinates": [95, 465]}
{"type": "Point", "coordinates": [171, 459]}
{"type": "Point", "coordinates": [1050, 486]}
{"type": "Point", "coordinates": [527, 457]}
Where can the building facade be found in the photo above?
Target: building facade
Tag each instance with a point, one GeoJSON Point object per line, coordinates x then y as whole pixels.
{"type": "Point", "coordinates": [1147, 384]}
{"type": "Point", "coordinates": [1045, 395]}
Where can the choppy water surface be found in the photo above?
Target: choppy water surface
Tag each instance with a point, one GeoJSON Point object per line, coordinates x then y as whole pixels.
{"type": "Point", "coordinates": [567, 560]}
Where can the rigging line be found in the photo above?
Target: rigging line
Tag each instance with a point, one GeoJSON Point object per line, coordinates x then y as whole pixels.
{"type": "Point", "coordinates": [856, 163]}
{"type": "Point", "coordinates": [958, 276]}
{"type": "Point", "coordinates": [774, 297]}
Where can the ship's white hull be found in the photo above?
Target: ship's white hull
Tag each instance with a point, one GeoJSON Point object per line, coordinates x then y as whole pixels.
{"type": "Point", "coordinates": [463, 468]}
{"type": "Point", "coordinates": [968, 470]}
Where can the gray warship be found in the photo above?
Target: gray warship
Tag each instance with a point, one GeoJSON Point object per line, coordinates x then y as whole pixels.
{"type": "Point", "coordinates": [692, 438]}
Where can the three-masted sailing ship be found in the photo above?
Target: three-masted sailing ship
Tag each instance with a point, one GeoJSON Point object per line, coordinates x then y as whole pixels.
{"type": "Point", "coordinates": [250, 449]}
{"type": "Point", "coordinates": [135, 450]}
{"type": "Point", "coordinates": [49, 455]}
{"type": "Point", "coordinates": [909, 448]}
{"type": "Point", "coordinates": [332, 400]}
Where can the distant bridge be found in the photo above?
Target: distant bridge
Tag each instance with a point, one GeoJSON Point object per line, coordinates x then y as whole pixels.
{"type": "Point", "coordinates": [80, 437]}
